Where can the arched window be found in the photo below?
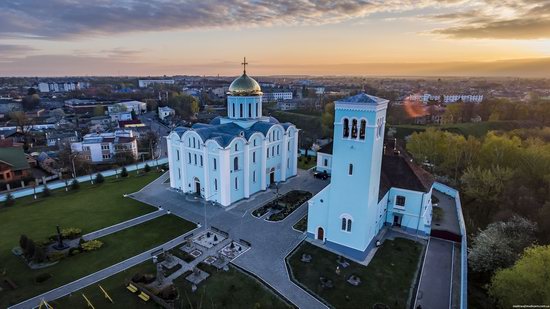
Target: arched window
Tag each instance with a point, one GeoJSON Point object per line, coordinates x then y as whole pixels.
{"type": "Point", "coordinates": [236, 147]}
{"type": "Point", "coordinates": [273, 151]}
{"type": "Point", "coordinates": [362, 129]}
{"type": "Point", "coordinates": [346, 127]}
{"type": "Point", "coordinates": [350, 170]}
{"type": "Point", "coordinates": [241, 109]}
{"type": "Point", "coordinates": [236, 184]}
{"type": "Point", "coordinates": [348, 228]}
{"type": "Point", "coordinates": [257, 111]}
{"type": "Point", "coordinates": [233, 107]}
{"type": "Point", "coordinates": [215, 184]}
{"type": "Point", "coordinates": [344, 223]}
{"type": "Point", "coordinates": [354, 128]}
{"type": "Point", "coordinates": [249, 110]}
{"type": "Point", "coordinates": [236, 164]}
{"type": "Point", "coordinates": [278, 149]}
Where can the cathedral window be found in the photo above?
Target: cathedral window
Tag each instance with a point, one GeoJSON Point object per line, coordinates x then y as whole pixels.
{"type": "Point", "coordinates": [189, 158]}
{"type": "Point", "coordinates": [249, 110]}
{"type": "Point", "coordinates": [362, 129]}
{"type": "Point", "coordinates": [254, 157]}
{"type": "Point", "coordinates": [236, 164]}
{"type": "Point", "coordinates": [233, 107]}
{"type": "Point", "coordinates": [354, 128]}
{"type": "Point", "coordinates": [348, 228]}
{"type": "Point", "coordinates": [325, 162]}
{"type": "Point", "coordinates": [236, 147]}
{"type": "Point", "coordinates": [350, 169]}
{"type": "Point", "coordinates": [179, 173]}
{"type": "Point", "coordinates": [236, 184]}
{"type": "Point", "coordinates": [241, 110]}
{"type": "Point", "coordinates": [278, 149]}
{"type": "Point", "coordinates": [346, 127]}
{"type": "Point", "coordinates": [215, 184]}
{"type": "Point", "coordinates": [257, 111]}
{"type": "Point", "coordinates": [201, 160]}
{"type": "Point", "coordinates": [195, 159]}
{"type": "Point", "coordinates": [346, 223]}
{"type": "Point", "coordinates": [189, 142]}
{"type": "Point", "coordinates": [194, 144]}
{"type": "Point", "coordinates": [215, 164]}
{"type": "Point", "coordinates": [178, 155]}
{"type": "Point", "coordinates": [273, 151]}
{"type": "Point", "coordinates": [254, 142]}
{"type": "Point", "coordinates": [253, 176]}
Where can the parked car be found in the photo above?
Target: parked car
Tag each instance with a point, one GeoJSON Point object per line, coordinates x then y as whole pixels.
{"type": "Point", "coordinates": [321, 175]}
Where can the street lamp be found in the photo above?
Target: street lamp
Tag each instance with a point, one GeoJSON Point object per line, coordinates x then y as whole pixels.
{"type": "Point", "coordinates": [205, 204]}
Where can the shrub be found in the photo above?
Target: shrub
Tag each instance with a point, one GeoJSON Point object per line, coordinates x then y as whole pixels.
{"type": "Point", "coordinates": [70, 232]}
{"type": "Point", "coordinates": [147, 168]}
{"type": "Point", "coordinates": [29, 248]}
{"type": "Point", "coordinates": [39, 255]}
{"type": "Point", "coordinates": [91, 245]}
{"type": "Point", "coordinates": [124, 172]}
{"type": "Point", "coordinates": [9, 201]}
{"type": "Point", "coordinates": [75, 185]}
{"type": "Point", "coordinates": [56, 256]}
{"type": "Point", "coordinates": [46, 192]}
{"type": "Point", "coordinates": [74, 251]}
{"type": "Point", "coordinates": [99, 178]}
{"type": "Point", "coordinates": [42, 277]}
{"type": "Point", "coordinates": [23, 240]}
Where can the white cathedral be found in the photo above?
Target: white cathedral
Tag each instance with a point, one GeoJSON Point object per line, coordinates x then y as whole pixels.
{"type": "Point", "coordinates": [233, 157]}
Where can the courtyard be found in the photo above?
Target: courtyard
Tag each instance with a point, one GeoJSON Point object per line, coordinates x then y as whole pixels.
{"type": "Point", "coordinates": [388, 279]}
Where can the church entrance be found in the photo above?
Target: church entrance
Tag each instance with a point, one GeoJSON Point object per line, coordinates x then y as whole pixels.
{"type": "Point", "coordinates": [320, 234]}
{"type": "Point", "coordinates": [397, 221]}
{"type": "Point", "coordinates": [272, 176]}
{"type": "Point", "coordinates": [197, 187]}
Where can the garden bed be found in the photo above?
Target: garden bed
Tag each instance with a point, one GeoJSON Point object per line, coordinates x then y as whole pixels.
{"type": "Point", "coordinates": [287, 203]}
{"type": "Point", "coordinates": [301, 225]}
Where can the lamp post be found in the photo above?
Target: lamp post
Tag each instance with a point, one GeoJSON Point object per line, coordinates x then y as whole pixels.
{"type": "Point", "coordinates": [205, 204]}
{"type": "Point", "coordinates": [72, 161]}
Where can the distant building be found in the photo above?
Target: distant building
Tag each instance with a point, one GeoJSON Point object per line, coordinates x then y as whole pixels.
{"type": "Point", "coordinates": [447, 98]}
{"type": "Point", "coordinates": [287, 105]}
{"type": "Point", "coordinates": [144, 83]}
{"type": "Point", "coordinates": [57, 138]}
{"type": "Point", "coordinates": [136, 106]}
{"type": "Point", "coordinates": [121, 116]}
{"type": "Point", "coordinates": [219, 91]}
{"type": "Point", "coordinates": [46, 87]}
{"type": "Point", "coordinates": [104, 147]}
{"type": "Point", "coordinates": [277, 96]}
{"type": "Point", "coordinates": [13, 165]}
{"type": "Point", "coordinates": [165, 111]}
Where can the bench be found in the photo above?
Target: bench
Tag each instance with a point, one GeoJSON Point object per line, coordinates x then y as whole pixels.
{"type": "Point", "coordinates": [132, 288]}
{"type": "Point", "coordinates": [144, 296]}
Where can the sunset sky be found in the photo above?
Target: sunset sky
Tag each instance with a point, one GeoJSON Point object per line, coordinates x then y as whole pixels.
{"type": "Point", "coordinates": [209, 37]}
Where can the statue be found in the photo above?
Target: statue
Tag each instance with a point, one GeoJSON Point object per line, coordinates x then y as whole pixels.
{"type": "Point", "coordinates": [60, 245]}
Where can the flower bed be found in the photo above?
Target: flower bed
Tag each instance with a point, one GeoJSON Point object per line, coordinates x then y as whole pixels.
{"type": "Point", "coordinates": [288, 203]}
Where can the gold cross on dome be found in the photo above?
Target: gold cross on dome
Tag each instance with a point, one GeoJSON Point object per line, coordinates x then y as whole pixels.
{"type": "Point", "coordinates": [244, 63]}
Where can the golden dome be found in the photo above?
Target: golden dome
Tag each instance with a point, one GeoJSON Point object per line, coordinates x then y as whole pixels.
{"type": "Point", "coordinates": [245, 86]}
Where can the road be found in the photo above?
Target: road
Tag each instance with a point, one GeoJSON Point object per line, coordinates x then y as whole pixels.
{"type": "Point", "coordinates": [150, 119]}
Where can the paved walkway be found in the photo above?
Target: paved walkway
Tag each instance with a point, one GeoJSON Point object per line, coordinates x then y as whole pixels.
{"type": "Point", "coordinates": [271, 241]}
{"type": "Point", "coordinates": [123, 225]}
{"type": "Point", "coordinates": [100, 275]}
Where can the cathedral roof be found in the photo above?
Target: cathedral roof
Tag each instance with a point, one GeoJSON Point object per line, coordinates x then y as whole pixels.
{"type": "Point", "coordinates": [245, 86]}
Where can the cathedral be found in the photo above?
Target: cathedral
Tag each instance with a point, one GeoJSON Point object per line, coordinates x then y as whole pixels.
{"type": "Point", "coordinates": [235, 156]}
{"type": "Point", "coordinates": [370, 186]}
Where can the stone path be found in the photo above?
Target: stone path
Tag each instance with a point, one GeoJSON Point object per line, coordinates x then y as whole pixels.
{"type": "Point", "coordinates": [123, 225]}
{"type": "Point", "coordinates": [271, 241]}
{"type": "Point", "coordinates": [100, 275]}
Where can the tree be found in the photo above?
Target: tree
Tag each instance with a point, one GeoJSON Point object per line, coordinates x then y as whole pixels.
{"type": "Point", "coordinates": [428, 146]}
{"type": "Point", "coordinates": [147, 168]}
{"type": "Point", "coordinates": [99, 110]}
{"type": "Point", "coordinates": [23, 125]}
{"type": "Point", "coordinates": [75, 185]}
{"type": "Point", "coordinates": [31, 100]}
{"type": "Point", "coordinates": [9, 201]}
{"type": "Point", "coordinates": [486, 185]}
{"type": "Point", "coordinates": [29, 248]}
{"type": "Point", "coordinates": [499, 150]}
{"type": "Point", "coordinates": [124, 172]}
{"type": "Point", "coordinates": [99, 178]}
{"type": "Point", "coordinates": [185, 105]}
{"type": "Point", "coordinates": [23, 240]}
{"type": "Point", "coordinates": [527, 282]}
{"type": "Point", "coordinates": [39, 255]}
{"type": "Point", "coordinates": [500, 244]}
{"type": "Point", "coordinates": [327, 119]}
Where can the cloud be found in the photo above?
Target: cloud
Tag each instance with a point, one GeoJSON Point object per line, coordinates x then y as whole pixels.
{"type": "Point", "coordinates": [12, 51]}
{"type": "Point", "coordinates": [69, 19]}
{"type": "Point", "coordinates": [499, 19]}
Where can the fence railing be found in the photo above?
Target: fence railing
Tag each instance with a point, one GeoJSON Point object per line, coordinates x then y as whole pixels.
{"type": "Point", "coordinates": [464, 244]}
{"type": "Point", "coordinates": [61, 183]}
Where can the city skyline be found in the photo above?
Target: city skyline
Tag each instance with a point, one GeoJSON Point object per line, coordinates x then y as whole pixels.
{"type": "Point", "coordinates": [398, 38]}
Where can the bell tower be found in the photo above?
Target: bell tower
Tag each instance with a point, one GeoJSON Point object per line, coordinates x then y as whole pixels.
{"type": "Point", "coordinates": [357, 158]}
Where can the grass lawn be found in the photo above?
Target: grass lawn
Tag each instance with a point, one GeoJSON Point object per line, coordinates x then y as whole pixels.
{"type": "Point", "coordinates": [388, 279]}
{"type": "Point", "coordinates": [116, 248]}
{"type": "Point", "coordinates": [301, 225]}
{"type": "Point", "coordinates": [305, 165]}
{"type": "Point", "coordinates": [231, 289]}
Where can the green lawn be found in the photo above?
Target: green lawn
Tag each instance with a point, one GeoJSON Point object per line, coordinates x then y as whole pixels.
{"type": "Point", "coordinates": [304, 164]}
{"type": "Point", "coordinates": [116, 248]}
{"type": "Point", "coordinates": [388, 279]}
{"type": "Point", "coordinates": [231, 289]}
